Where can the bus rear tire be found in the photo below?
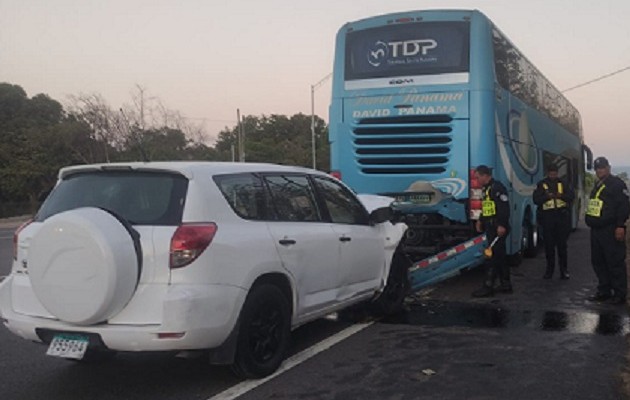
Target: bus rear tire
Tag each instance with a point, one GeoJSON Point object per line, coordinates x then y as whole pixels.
{"type": "Point", "coordinates": [529, 240]}
{"type": "Point", "coordinates": [529, 245]}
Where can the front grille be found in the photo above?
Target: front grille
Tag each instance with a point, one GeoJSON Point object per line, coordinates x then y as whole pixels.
{"type": "Point", "coordinates": [403, 145]}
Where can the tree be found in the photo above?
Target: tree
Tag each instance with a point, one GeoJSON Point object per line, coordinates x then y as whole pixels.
{"type": "Point", "coordinates": [13, 101]}
{"type": "Point", "coordinates": [589, 182]}
{"type": "Point", "coordinates": [39, 137]}
{"type": "Point", "coordinates": [106, 126]}
{"type": "Point", "coordinates": [623, 176]}
{"type": "Point", "coordinates": [277, 139]}
{"type": "Point", "coordinates": [136, 131]}
{"type": "Point", "coordinates": [30, 152]}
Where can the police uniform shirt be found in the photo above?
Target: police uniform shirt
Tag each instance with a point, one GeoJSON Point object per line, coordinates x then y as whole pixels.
{"type": "Point", "coordinates": [497, 193]}
{"type": "Point", "coordinates": [608, 203]}
{"type": "Point", "coordinates": [546, 186]}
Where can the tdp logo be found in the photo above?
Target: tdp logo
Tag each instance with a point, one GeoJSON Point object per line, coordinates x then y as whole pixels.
{"type": "Point", "coordinates": [406, 48]}
{"type": "Point", "coordinates": [410, 48]}
{"type": "Point", "coordinates": [377, 53]}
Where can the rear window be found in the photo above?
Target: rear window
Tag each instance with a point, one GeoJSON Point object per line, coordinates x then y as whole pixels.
{"type": "Point", "coordinates": [142, 198]}
{"type": "Point", "coordinates": [421, 48]}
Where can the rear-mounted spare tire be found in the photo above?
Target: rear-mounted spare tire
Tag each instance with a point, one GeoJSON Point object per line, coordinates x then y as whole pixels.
{"type": "Point", "coordinates": [83, 265]}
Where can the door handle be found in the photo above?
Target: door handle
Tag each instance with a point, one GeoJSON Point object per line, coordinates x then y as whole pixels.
{"type": "Point", "coordinates": [345, 239]}
{"type": "Point", "coordinates": [286, 242]}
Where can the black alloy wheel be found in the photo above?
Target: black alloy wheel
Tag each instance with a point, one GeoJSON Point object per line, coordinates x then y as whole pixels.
{"type": "Point", "coordinates": [264, 332]}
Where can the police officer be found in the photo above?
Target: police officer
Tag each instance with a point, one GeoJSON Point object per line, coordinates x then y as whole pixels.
{"type": "Point", "coordinates": [607, 211]}
{"type": "Point", "coordinates": [494, 221]}
{"type": "Point", "coordinates": [553, 198]}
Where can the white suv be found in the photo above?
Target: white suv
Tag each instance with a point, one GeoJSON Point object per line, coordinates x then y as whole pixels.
{"type": "Point", "coordinates": [196, 255]}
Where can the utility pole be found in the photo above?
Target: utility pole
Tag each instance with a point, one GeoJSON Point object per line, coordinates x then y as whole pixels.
{"type": "Point", "coordinates": [313, 87]}
{"type": "Point", "coordinates": [241, 137]}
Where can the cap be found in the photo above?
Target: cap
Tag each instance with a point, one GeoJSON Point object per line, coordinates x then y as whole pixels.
{"type": "Point", "coordinates": [601, 162]}
{"type": "Point", "coordinates": [484, 170]}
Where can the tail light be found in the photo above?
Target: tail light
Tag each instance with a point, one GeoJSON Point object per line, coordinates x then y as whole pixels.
{"type": "Point", "coordinates": [15, 237]}
{"type": "Point", "coordinates": [336, 174]}
{"type": "Point", "coordinates": [189, 241]}
{"type": "Point", "coordinates": [476, 196]}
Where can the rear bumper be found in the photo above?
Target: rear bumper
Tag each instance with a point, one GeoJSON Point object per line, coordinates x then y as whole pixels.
{"type": "Point", "coordinates": [205, 314]}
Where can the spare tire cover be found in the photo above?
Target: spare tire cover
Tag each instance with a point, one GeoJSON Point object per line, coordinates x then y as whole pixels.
{"type": "Point", "coordinates": [83, 265]}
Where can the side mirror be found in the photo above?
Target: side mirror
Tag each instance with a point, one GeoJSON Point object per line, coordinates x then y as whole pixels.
{"type": "Point", "coordinates": [589, 156]}
{"type": "Point", "coordinates": [380, 215]}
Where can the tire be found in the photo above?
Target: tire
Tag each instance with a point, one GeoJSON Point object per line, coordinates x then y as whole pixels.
{"type": "Point", "coordinates": [391, 300]}
{"type": "Point", "coordinates": [264, 332]}
{"type": "Point", "coordinates": [530, 249]}
{"type": "Point", "coordinates": [84, 265]}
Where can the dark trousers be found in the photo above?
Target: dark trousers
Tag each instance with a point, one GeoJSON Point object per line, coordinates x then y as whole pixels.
{"type": "Point", "coordinates": [608, 257]}
{"type": "Point", "coordinates": [497, 267]}
{"type": "Point", "coordinates": [556, 229]}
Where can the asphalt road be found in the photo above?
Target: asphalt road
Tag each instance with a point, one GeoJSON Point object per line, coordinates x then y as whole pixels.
{"type": "Point", "coordinates": [543, 342]}
{"type": "Point", "coordinates": [6, 250]}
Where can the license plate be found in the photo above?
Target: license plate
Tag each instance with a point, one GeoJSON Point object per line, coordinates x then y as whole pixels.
{"type": "Point", "coordinates": [68, 346]}
{"type": "Point", "coordinates": [414, 198]}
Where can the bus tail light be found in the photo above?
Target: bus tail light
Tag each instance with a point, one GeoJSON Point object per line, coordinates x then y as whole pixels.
{"type": "Point", "coordinates": [189, 241]}
{"type": "Point", "coordinates": [476, 196]}
{"type": "Point", "coordinates": [336, 174]}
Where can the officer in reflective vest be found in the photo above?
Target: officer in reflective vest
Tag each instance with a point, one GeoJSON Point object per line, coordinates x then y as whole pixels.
{"type": "Point", "coordinates": [553, 198]}
{"type": "Point", "coordinates": [494, 222]}
{"type": "Point", "coordinates": [607, 210]}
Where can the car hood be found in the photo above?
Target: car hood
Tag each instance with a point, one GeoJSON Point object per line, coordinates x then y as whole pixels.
{"type": "Point", "coordinates": [373, 201]}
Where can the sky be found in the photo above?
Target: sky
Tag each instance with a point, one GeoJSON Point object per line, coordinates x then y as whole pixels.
{"type": "Point", "coordinates": [208, 58]}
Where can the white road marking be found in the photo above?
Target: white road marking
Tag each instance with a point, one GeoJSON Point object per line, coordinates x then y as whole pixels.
{"type": "Point", "coordinates": [245, 386]}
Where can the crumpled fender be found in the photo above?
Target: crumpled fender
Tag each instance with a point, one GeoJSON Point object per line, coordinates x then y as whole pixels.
{"type": "Point", "coordinates": [392, 233]}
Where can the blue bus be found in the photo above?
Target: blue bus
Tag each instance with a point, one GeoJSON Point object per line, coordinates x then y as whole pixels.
{"type": "Point", "coordinates": [421, 98]}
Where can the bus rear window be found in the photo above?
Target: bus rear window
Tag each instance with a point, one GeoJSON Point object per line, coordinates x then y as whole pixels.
{"type": "Point", "coordinates": [423, 48]}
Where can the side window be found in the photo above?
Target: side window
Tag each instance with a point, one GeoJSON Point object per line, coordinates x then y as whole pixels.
{"type": "Point", "coordinates": [501, 51]}
{"type": "Point", "coordinates": [520, 77]}
{"type": "Point", "coordinates": [565, 170]}
{"type": "Point", "coordinates": [343, 206]}
{"type": "Point", "coordinates": [293, 198]}
{"type": "Point", "coordinates": [246, 195]}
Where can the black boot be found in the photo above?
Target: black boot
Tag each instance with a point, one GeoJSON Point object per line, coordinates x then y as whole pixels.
{"type": "Point", "coordinates": [484, 291]}
{"type": "Point", "coordinates": [564, 274]}
{"type": "Point", "coordinates": [505, 287]}
{"type": "Point", "coordinates": [548, 272]}
{"type": "Point", "coordinates": [600, 296]}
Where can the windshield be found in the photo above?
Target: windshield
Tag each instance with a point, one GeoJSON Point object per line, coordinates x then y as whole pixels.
{"type": "Point", "coordinates": [421, 48]}
{"type": "Point", "coordinates": [142, 198]}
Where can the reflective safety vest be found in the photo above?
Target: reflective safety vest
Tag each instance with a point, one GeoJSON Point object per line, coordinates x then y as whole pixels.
{"type": "Point", "coordinates": [488, 206]}
{"type": "Point", "coordinates": [595, 205]}
{"type": "Point", "coordinates": [554, 203]}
